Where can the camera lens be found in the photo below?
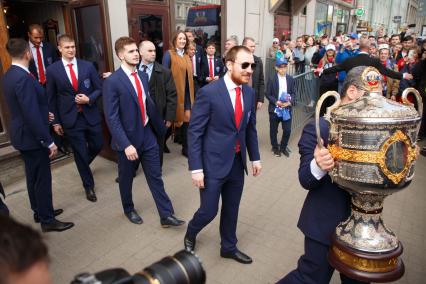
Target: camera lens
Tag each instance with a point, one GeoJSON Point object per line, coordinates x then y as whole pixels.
{"type": "Point", "coordinates": [182, 268]}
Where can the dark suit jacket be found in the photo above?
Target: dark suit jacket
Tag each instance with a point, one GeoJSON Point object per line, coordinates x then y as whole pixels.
{"type": "Point", "coordinates": [363, 60]}
{"type": "Point", "coordinates": [27, 101]}
{"type": "Point", "coordinates": [326, 205]}
{"type": "Point", "coordinates": [62, 94]}
{"type": "Point", "coordinates": [163, 91]}
{"type": "Point", "coordinates": [49, 57]}
{"type": "Point", "coordinates": [122, 111]}
{"type": "Point", "coordinates": [205, 72]}
{"type": "Point", "coordinates": [258, 80]}
{"type": "Point", "coordinates": [212, 133]}
{"type": "Point", "coordinates": [273, 88]}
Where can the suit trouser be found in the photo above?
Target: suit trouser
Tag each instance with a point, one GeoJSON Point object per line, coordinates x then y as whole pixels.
{"type": "Point", "coordinates": [150, 161]}
{"type": "Point", "coordinates": [39, 183]}
{"type": "Point", "coordinates": [313, 267]}
{"type": "Point", "coordinates": [86, 142]}
{"type": "Point", "coordinates": [231, 189]}
{"type": "Point", "coordinates": [274, 121]}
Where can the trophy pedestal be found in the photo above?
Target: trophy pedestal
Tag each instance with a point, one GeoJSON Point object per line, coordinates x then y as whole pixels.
{"type": "Point", "coordinates": [363, 266]}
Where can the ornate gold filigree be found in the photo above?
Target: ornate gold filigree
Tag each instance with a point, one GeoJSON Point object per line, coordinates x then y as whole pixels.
{"type": "Point", "coordinates": [364, 264]}
{"type": "Point", "coordinates": [378, 157]}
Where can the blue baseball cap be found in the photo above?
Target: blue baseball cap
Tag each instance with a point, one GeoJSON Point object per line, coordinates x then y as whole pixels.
{"type": "Point", "coordinates": [280, 61]}
{"type": "Point", "coordinates": [353, 35]}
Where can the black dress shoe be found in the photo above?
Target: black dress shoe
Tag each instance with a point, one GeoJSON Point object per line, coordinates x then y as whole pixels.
{"type": "Point", "coordinates": [56, 212]}
{"type": "Point", "coordinates": [166, 149]}
{"type": "Point", "coordinates": [285, 153]}
{"type": "Point", "coordinates": [238, 256]}
{"type": "Point", "coordinates": [56, 226]}
{"type": "Point", "coordinates": [288, 149]}
{"type": "Point", "coordinates": [91, 195]}
{"type": "Point", "coordinates": [134, 217]}
{"type": "Point", "coordinates": [189, 243]}
{"type": "Point", "coordinates": [171, 221]}
{"type": "Point", "coordinates": [423, 151]}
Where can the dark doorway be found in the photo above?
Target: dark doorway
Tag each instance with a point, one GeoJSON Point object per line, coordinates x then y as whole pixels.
{"type": "Point", "coordinates": [151, 29]}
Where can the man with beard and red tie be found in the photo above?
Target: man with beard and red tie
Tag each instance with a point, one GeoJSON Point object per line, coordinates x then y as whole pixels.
{"type": "Point", "coordinates": [134, 122]}
{"type": "Point", "coordinates": [73, 87]}
{"type": "Point", "coordinates": [221, 129]}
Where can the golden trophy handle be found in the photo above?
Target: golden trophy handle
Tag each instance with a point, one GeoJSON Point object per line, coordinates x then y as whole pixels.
{"type": "Point", "coordinates": [418, 99]}
{"type": "Point", "coordinates": [327, 113]}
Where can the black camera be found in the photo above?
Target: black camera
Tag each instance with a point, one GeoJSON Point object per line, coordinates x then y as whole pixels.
{"type": "Point", "coordinates": [182, 268]}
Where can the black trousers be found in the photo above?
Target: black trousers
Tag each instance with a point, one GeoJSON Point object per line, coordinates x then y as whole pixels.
{"type": "Point", "coordinates": [274, 121]}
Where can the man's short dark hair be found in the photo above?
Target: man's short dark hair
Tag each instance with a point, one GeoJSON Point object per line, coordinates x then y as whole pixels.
{"type": "Point", "coordinates": [246, 39]}
{"type": "Point", "coordinates": [353, 78]}
{"type": "Point", "coordinates": [17, 47]}
{"type": "Point", "coordinates": [231, 55]}
{"type": "Point", "coordinates": [20, 247]}
{"type": "Point", "coordinates": [407, 38]}
{"type": "Point", "coordinates": [211, 43]}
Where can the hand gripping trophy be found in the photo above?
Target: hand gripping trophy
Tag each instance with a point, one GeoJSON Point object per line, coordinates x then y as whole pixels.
{"type": "Point", "coordinates": [373, 141]}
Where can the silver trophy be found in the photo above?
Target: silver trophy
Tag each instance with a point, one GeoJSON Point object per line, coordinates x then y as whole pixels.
{"type": "Point", "coordinates": [373, 141]}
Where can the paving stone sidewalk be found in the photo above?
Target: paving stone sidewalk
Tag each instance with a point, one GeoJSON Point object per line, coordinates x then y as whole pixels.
{"type": "Point", "coordinates": [103, 237]}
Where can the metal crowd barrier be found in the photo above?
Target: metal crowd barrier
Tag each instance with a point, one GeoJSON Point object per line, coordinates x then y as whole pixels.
{"type": "Point", "coordinates": [306, 94]}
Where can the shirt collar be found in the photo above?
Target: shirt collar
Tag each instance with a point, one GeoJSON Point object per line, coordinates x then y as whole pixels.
{"type": "Point", "coordinates": [73, 61]}
{"type": "Point", "coordinates": [21, 66]}
{"type": "Point", "coordinates": [33, 46]}
{"type": "Point", "coordinates": [127, 70]}
{"type": "Point", "coordinates": [149, 66]}
{"type": "Point", "coordinates": [180, 52]}
{"type": "Point", "coordinates": [230, 85]}
{"type": "Point", "coordinates": [363, 52]}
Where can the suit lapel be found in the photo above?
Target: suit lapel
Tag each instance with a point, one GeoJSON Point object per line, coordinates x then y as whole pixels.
{"type": "Point", "coordinates": [223, 91]}
{"type": "Point", "coordinates": [126, 82]}
{"type": "Point", "coordinates": [62, 72]}
{"type": "Point", "coordinates": [247, 107]}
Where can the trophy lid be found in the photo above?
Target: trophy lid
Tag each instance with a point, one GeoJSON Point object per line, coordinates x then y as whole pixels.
{"type": "Point", "coordinates": [373, 107]}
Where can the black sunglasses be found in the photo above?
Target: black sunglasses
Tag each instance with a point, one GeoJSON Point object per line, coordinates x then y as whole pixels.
{"type": "Point", "coordinates": [245, 65]}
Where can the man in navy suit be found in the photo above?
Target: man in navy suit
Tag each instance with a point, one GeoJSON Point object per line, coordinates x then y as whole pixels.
{"type": "Point", "coordinates": [43, 53]}
{"type": "Point", "coordinates": [277, 85]}
{"type": "Point", "coordinates": [221, 129]}
{"type": "Point", "coordinates": [132, 119]}
{"type": "Point", "coordinates": [29, 133]}
{"type": "Point", "coordinates": [73, 86]}
{"type": "Point", "coordinates": [326, 205]}
{"type": "Point", "coordinates": [211, 65]}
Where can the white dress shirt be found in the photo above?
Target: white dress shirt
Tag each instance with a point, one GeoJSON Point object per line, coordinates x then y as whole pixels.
{"type": "Point", "coordinates": [282, 82]}
{"type": "Point", "coordinates": [74, 67]}
{"type": "Point", "coordinates": [316, 170]}
{"type": "Point", "coordinates": [34, 53]}
{"type": "Point", "coordinates": [194, 64]}
{"type": "Point", "coordinates": [132, 80]}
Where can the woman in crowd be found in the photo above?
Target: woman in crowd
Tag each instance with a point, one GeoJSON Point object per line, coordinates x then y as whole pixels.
{"type": "Point", "coordinates": [179, 63]}
{"type": "Point", "coordinates": [328, 82]}
{"type": "Point", "coordinates": [310, 49]}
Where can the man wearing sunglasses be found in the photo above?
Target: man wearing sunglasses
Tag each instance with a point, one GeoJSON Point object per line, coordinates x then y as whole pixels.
{"type": "Point", "coordinates": [221, 128]}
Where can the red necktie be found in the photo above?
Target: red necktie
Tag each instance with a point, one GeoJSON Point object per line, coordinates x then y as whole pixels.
{"type": "Point", "coordinates": [41, 75]}
{"type": "Point", "coordinates": [211, 68]}
{"type": "Point", "coordinates": [238, 113]}
{"type": "Point", "coordinates": [74, 83]}
{"type": "Point", "coordinates": [140, 96]}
